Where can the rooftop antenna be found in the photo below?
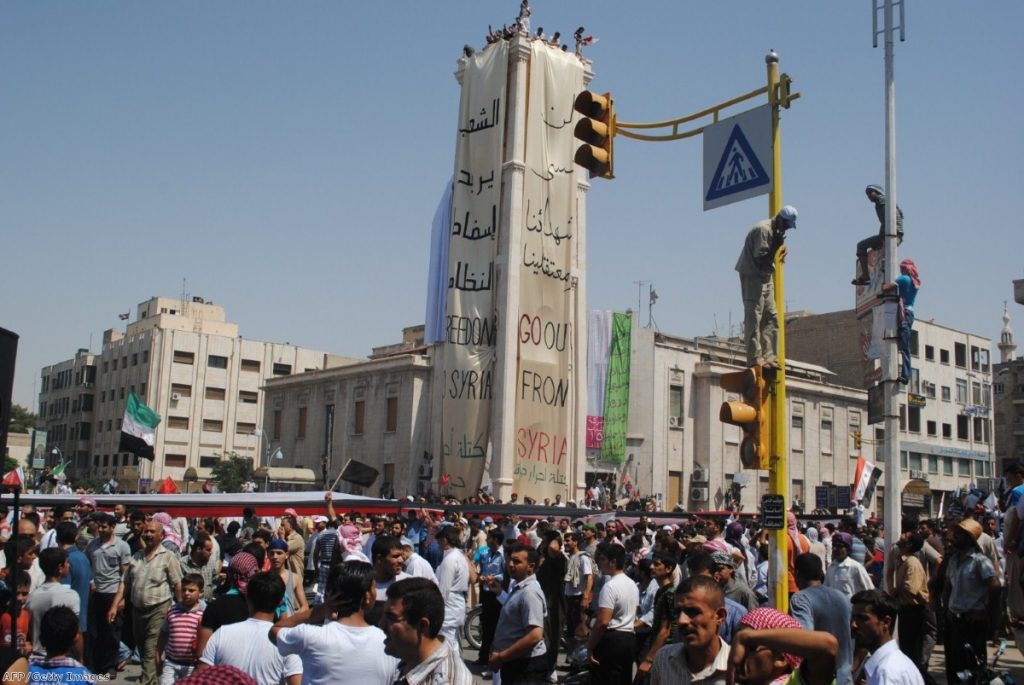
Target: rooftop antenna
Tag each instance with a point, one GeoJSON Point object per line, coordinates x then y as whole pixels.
{"type": "Point", "coordinates": [652, 297]}
{"type": "Point", "coordinates": [639, 295]}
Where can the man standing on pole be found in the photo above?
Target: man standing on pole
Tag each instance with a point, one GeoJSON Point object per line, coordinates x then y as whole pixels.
{"type": "Point", "coordinates": [756, 265]}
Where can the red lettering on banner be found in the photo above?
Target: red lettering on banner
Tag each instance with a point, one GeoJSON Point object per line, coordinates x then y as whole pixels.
{"type": "Point", "coordinates": [541, 446]}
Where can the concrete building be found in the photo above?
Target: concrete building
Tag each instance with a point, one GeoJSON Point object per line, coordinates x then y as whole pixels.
{"type": "Point", "coordinates": [946, 439]}
{"type": "Point", "coordinates": [377, 412]}
{"type": "Point", "coordinates": [188, 364]}
{"type": "Point", "coordinates": [1008, 392]}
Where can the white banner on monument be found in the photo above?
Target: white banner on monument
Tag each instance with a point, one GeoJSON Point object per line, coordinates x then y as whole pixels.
{"type": "Point", "coordinates": [546, 401]}
{"type": "Point", "coordinates": [471, 323]}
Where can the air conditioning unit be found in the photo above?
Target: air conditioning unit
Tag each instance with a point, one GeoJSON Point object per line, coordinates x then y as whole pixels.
{"type": "Point", "coordinates": [699, 494]}
{"type": "Point", "coordinates": [700, 475]}
{"type": "Point", "coordinates": [175, 397]}
{"type": "Point", "coordinates": [674, 422]}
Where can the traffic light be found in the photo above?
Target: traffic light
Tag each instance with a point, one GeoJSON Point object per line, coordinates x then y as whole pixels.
{"type": "Point", "coordinates": [750, 414]}
{"type": "Point", "coordinates": [597, 130]}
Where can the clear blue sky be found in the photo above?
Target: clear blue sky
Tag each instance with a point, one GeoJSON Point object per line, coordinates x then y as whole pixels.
{"type": "Point", "coordinates": [286, 159]}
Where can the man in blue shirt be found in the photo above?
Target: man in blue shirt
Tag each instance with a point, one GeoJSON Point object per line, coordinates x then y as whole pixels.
{"type": "Point", "coordinates": [492, 567]}
{"type": "Point", "coordinates": [907, 284]}
{"type": "Point", "coordinates": [79, 577]}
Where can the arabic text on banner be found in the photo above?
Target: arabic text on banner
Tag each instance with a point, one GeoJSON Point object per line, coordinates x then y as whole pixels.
{"type": "Point", "coordinates": [470, 331]}
{"type": "Point", "coordinates": [616, 404]}
{"type": "Point", "coordinates": [599, 334]}
{"type": "Point", "coordinates": [546, 400]}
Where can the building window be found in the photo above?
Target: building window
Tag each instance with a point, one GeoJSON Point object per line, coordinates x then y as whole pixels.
{"type": "Point", "coordinates": [797, 434]}
{"type": "Point", "coordinates": [914, 419]}
{"type": "Point", "coordinates": [244, 428]}
{"type": "Point", "coordinates": [933, 464]}
{"type": "Point", "coordinates": [826, 430]}
{"type": "Point", "coordinates": [145, 356]}
{"type": "Point", "coordinates": [675, 405]}
{"type": "Point", "coordinates": [95, 461]}
{"type": "Point", "coordinates": [282, 369]}
{"type": "Point", "coordinates": [980, 429]}
{"type": "Point", "coordinates": [124, 362]}
{"type": "Point", "coordinates": [913, 343]}
{"type": "Point", "coordinates": [177, 460]}
{"type": "Point", "coordinates": [359, 418]}
{"type": "Point", "coordinates": [933, 428]}
{"type": "Point", "coordinates": [277, 425]}
{"type": "Point", "coordinates": [855, 432]}
{"type": "Point", "coordinates": [960, 354]}
{"type": "Point", "coordinates": [929, 353]}
{"type": "Point", "coordinates": [213, 426]}
{"type": "Point", "coordinates": [142, 392]}
{"type": "Point", "coordinates": [207, 462]}
{"type": "Point", "coordinates": [215, 361]}
{"type": "Point", "coordinates": [903, 417]}
{"type": "Point", "coordinates": [944, 357]}
{"type": "Point", "coordinates": [979, 359]}
{"type": "Point", "coordinates": [961, 391]}
{"type": "Point", "coordinates": [963, 427]}
{"type": "Point", "coordinates": [300, 432]}
{"type": "Point", "coordinates": [964, 467]}
{"type": "Point", "coordinates": [915, 461]}
{"type": "Point", "coordinates": [120, 393]}
{"type": "Point", "coordinates": [976, 393]}
{"type": "Point", "coordinates": [252, 365]}
{"type": "Point", "coordinates": [215, 394]}
{"type": "Point", "coordinates": [929, 389]}
{"type": "Point", "coordinates": [986, 395]}
{"type": "Point", "coordinates": [181, 390]}
{"type": "Point", "coordinates": [181, 357]}
{"type": "Point", "coordinates": [946, 393]}
{"type": "Point", "coordinates": [998, 388]}
{"type": "Point", "coordinates": [391, 418]}
{"type": "Point", "coordinates": [177, 422]}
{"type": "Point", "coordinates": [903, 460]}
{"type": "Point", "coordinates": [113, 364]}
{"type": "Point", "coordinates": [106, 460]}
{"type": "Point", "coordinates": [947, 430]}
{"type": "Point", "coordinates": [947, 466]}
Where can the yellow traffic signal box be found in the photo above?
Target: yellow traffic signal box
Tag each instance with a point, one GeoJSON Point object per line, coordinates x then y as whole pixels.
{"type": "Point", "coordinates": [750, 414]}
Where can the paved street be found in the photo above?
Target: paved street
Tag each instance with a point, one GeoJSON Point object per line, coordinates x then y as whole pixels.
{"type": "Point", "coordinates": [1011, 661]}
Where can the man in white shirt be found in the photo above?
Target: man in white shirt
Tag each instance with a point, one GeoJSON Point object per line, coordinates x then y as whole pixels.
{"type": "Point", "coordinates": [844, 573]}
{"type": "Point", "coordinates": [415, 565]}
{"type": "Point", "coordinates": [871, 621]}
{"type": "Point", "coordinates": [611, 644]}
{"type": "Point", "coordinates": [453, 581]}
{"type": "Point", "coordinates": [245, 645]}
{"type": "Point", "coordinates": [344, 650]}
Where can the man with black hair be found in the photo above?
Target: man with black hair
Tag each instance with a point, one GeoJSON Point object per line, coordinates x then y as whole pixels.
{"type": "Point", "coordinates": [388, 562]}
{"type": "Point", "coordinates": [518, 651]}
{"type": "Point", "coordinates": [453, 581]}
{"type": "Point", "coordinates": [663, 567]}
{"type": "Point", "coordinates": [612, 640]}
{"type": "Point", "coordinates": [347, 649]}
{"type": "Point", "coordinates": [579, 588]}
{"type": "Point", "coordinates": [492, 567]}
{"type": "Point", "coordinates": [819, 607]}
{"type": "Point", "coordinates": [871, 622]}
{"type": "Point", "coordinates": [136, 524]}
{"type": "Point", "coordinates": [412, 620]}
{"type": "Point", "coordinates": [910, 589]}
{"type": "Point", "coordinates": [59, 635]}
{"type": "Point", "coordinates": [245, 646]}
{"type": "Point", "coordinates": [701, 656]}
{"type": "Point", "coordinates": [54, 563]}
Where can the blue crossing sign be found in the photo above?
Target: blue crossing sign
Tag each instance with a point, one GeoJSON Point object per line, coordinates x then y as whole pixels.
{"type": "Point", "coordinates": [737, 158]}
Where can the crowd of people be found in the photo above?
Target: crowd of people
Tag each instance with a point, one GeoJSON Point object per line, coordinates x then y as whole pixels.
{"type": "Point", "coordinates": [336, 596]}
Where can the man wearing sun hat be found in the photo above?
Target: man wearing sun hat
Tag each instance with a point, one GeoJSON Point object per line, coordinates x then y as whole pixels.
{"type": "Point", "coordinates": [969, 575]}
{"type": "Point", "coordinates": [756, 266]}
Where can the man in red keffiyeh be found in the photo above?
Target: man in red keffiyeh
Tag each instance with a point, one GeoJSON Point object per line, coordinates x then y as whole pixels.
{"type": "Point", "coordinates": [772, 648]}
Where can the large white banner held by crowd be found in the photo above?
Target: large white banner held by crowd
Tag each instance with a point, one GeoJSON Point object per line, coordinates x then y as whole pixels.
{"type": "Point", "coordinates": [471, 323]}
{"type": "Point", "coordinates": [546, 401]}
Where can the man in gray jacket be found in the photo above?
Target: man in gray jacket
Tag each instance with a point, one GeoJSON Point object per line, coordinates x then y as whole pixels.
{"type": "Point", "coordinates": [756, 266]}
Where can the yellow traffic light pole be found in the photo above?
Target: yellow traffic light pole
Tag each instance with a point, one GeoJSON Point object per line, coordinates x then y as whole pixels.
{"type": "Point", "coordinates": [778, 471]}
{"type": "Point", "coordinates": [778, 477]}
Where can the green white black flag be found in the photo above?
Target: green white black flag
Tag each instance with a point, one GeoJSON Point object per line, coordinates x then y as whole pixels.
{"type": "Point", "coordinates": [138, 428]}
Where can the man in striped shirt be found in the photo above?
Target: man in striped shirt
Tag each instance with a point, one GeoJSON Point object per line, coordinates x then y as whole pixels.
{"type": "Point", "coordinates": [176, 647]}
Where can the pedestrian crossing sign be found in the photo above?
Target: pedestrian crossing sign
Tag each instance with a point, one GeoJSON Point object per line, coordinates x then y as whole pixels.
{"type": "Point", "coordinates": [737, 158]}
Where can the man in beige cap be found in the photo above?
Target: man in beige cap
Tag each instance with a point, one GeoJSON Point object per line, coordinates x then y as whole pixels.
{"type": "Point", "coordinates": [969, 575]}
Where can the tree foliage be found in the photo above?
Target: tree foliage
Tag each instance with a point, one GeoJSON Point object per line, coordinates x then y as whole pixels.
{"type": "Point", "coordinates": [22, 420]}
{"type": "Point", "coordinates": [231, 471]}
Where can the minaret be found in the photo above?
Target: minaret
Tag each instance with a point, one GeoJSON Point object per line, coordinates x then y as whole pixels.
{"type": "Point", "coordinates": [1006, 344]}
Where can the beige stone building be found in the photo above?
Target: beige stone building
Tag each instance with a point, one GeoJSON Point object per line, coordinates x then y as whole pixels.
{"type": "Point", "coordinates": [946, 439]}
{"type": "Point", "coordinates": [188, 364]}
